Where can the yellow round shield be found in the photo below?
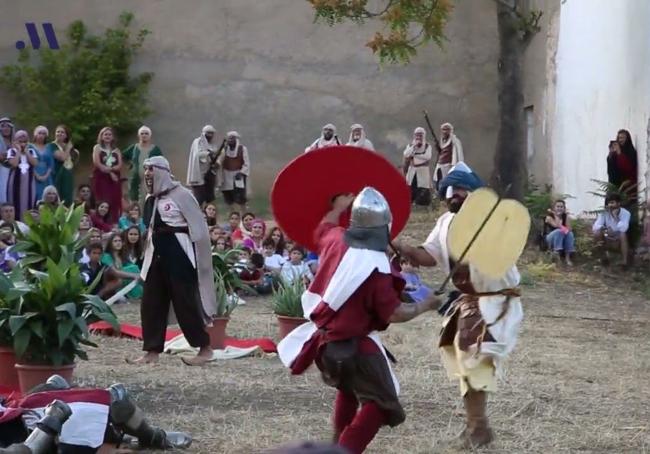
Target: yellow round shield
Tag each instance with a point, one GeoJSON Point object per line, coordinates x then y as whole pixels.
{"type": "Point", "coordinates": [501, 240]}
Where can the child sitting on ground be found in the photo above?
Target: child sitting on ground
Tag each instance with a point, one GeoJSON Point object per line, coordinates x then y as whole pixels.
{"type": "Point", "coordinates": [253, 275]}
{"type": "Point", "coordinates": [91, 269]}
{"type": "Point", "coordinates": [272, 260]}
{"type": "Point", "coordinates": [295, 268]}
{"type": "Point", "coordinates": [415, 290]}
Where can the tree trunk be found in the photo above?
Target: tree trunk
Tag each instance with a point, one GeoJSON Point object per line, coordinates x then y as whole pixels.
{"type": "Point", "coordinates": [510, 157]}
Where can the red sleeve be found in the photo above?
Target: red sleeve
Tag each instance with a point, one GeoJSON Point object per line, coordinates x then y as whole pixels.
{"type": "Point", "coordinates": [236, 235]}
{"type": "Point", "coordinates": [384, 298]}
{"type": "Point", "coordinates": [325, 233]}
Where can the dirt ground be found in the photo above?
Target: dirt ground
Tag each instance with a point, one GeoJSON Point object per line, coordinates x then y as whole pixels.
{"type": "Point", "coordinates": [577, 381]}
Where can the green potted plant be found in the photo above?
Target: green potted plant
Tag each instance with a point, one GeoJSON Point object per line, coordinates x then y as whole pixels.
{"type": "Point", "coordinates": [49, 323]}
{"type": "Point", "coordinates": [287, 306]}
{"type": "Point", "coordinates": [12, 288]}
{"type": "Point", "coordinates": [226, 283]}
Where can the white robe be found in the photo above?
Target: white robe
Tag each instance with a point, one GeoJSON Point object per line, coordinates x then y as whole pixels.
{"type": "Point", "coordinates": [321, 143]}
{"type": "Point", "coordinates": [419, 156]}
{"type": "Point", "coordinates": [505, 330]}
{"type": "Point", "coordinates": [199, 161]}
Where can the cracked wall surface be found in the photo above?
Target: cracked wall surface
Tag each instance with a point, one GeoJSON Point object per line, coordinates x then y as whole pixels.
{"type": "Point", "coordinates": [264, 69]}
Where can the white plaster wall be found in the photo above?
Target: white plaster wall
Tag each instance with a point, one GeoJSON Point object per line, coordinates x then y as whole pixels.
{"type": "Point", "coordinates": [603, 84]}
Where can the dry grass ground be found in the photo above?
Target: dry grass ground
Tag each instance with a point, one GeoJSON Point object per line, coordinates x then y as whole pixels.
{"type": "Point", "coordinates": [577, 382]}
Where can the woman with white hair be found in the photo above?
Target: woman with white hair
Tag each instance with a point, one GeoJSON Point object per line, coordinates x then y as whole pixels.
{"type": "Point", "coordinates": [134, 155]}
{"type": "Point", "coordinates": [50, 197]}
{"type": "Point", "coordinates": [44, 169]}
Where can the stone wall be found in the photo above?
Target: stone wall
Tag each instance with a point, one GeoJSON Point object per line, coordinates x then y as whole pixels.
{"type": "Point", "coordinates": [263, 68]}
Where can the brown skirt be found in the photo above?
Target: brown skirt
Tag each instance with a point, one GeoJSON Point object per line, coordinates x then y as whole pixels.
{"type": "Point", "coordinates": [367, 376]}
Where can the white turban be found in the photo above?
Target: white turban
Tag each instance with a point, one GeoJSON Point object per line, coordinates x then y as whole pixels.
{"type": "Point", "coordinates": [208, 128]}
{"type": "Point", "coordinates": [143, 129]}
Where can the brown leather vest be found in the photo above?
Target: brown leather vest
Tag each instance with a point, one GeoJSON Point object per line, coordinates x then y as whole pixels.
{"type": "Point", "coordinates": [235, 163]}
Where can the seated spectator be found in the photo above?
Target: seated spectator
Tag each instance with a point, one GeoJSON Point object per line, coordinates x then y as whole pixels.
{"type": "Point", "coordinates": [85, 197]}
{"type": "Point", "coordinates": [8, 217]}
{"type": "Point", "coordinates": [611, 226]}
{"type": "Point", "coordinates": [558, 234]}
{"type": "Point", "coordinates": [255, 240]}
{"type": "Point", "coordinates": [242, 261]}
{"type": "Point", "coordinates": [85, 224]}
{"type": "Point", "coordinates": [210, 212]}
{"type": "Point", "coordinates": [415, 290]}
{"type": "Point", "coordinates": [295, 268]}
{"type": "Point", "coordinates": [132, 218]}
{"type": "Point", "coordinates": [119, 271]}
{"type": "Point", "coordinates": [100, 217]}
{"type": "Point", "coordinates": [50, 197]}
{"type": "Point", "coordinates": [233, 223]}
{"type": "Point", "coordinates": [93, 267]}
{"type": "Point", "coordinates": [133, 246]}
{"type": "Point", "coordinates": [94, 236]}
{"type": "Point", "coordinates": [220, 244]}
{"type": "Point", "coordinates": [214, 235]}
{"type": "Point", "coordinates": [277, 236]}
{"type": "Point", "coordinates": [8, 257]}
{"type": "Point", "coordinates": [312, 262]}
{"type": "Point", "coordinates": [253, 275]}
{"type": "Point", "coordinates": [244, 229]}
{"type": "Point", "coordinates": [272, 260]}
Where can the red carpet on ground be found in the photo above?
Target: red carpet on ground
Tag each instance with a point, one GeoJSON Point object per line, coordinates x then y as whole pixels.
{"type": "Point", "coordinates": [133, 331]}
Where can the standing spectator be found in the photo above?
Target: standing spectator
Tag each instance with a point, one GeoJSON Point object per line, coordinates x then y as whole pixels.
{"type": "Point", "coordinates": [6, 142]}
{"type": "Point", "coordinates": [203, 156]}
{"type": "Point", "coordinates": [417, 160]}
{"type": "Point", "coordinates": [451, 152]}
{"type": "Point", "coordinates": [277, 237]}
{"type": "Point", "coordinates": [85, 196]}
{"type": "Point", "coordinates": [44, 169]}
{"type": "Point", "coordinates": [210, 212]}
{"type": "Point", "coordinates": [66, 157]}
{"type": "Point", "coordinates": [631, 174]}
{"type": "Point", "coordinates": [621, 167]}
{"type": "Point", "coordinates": [101, 217]}
{"type": "Point", "coordinates": [611, 226]}
{"type": "Point", "coordinates": [21, 187]}
{"type": "Point", "coordinates": [558, 234]}
{"type": "Point", "coordinates": [131, 218]}
{"type": "Point", "coordinates": [358, 138]}
{"type": "Point", "coordinates": [256, 239]}
{"type": "Point", "coordinates": [107, 161]}
{"type": "Point", "coordinates": [134, 155]}
{"type": "Point", "coordinates": [235, 167]}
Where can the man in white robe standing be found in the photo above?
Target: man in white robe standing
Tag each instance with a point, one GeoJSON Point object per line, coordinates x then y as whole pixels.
{"type": "Point", "coordinates": [480, 326]}
{"type": "Point", "coordinates": [417, 163]}
{"type": "Point", "coordinates": [358, 138]}
{"type": "Point", "coordinates": [327, 138]}
{"type": "Point", "coordinates": [450, 153]}
{"type": "Point", "coordinates": [203, 154]}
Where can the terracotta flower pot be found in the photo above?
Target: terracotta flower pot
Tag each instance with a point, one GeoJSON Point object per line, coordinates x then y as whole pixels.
{"type": "Point", "coordinates": [30, 375]}
{"type": "Point", "coordinates": [217, 332]}
{"type": "Point", "coordinates": [288, 324]}
{"type": "Point", "coordinates": [8, 375]}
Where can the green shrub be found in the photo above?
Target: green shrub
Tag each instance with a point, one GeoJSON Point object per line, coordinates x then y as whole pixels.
{"type": "Point", "coordinates": [287, 299]}
{"type": "Point", "coordinates": [86, 84]}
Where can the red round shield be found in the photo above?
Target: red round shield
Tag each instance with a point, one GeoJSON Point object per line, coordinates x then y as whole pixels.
{"type": "Point", "coordinates": [302, 193]}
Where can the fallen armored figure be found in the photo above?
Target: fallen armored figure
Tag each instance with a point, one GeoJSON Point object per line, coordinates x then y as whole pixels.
{"type": "Point", "coordinates": [94, 417]}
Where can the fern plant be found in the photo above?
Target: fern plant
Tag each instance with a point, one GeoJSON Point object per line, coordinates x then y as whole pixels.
{"type": "Point", "coordinates": [626, 191]}
{"type": "Point", "coordinates": [287, 299]}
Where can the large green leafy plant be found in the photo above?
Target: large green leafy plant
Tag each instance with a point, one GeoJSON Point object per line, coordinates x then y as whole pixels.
{"type": "Point", "coordinates": [87, 83]}
{"type": "Point", "coordinates": [52, 318]}
{"type": "Point", "coordinates": [12, 288]}
{"type": "Point", "coordinates": [287, 299]}
{"type": "Point", "coordinates": [227, 281]}
{"type": "Point", "coordinates": [48, 321]}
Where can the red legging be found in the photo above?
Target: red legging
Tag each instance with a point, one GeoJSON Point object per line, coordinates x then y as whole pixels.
{"type": "Point", "coordinates": [356, 429]}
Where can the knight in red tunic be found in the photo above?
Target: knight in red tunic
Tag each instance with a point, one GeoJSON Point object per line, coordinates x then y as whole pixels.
{"type": "Point", "coordinates": [355, 294]}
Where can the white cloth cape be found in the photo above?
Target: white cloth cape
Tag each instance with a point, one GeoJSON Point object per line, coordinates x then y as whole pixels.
{"type": "Point", "coordinates": [423, 173]}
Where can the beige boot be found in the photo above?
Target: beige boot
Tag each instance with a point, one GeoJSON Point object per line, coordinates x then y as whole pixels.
{"type": "Point", "coordinates": [478, 432]}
